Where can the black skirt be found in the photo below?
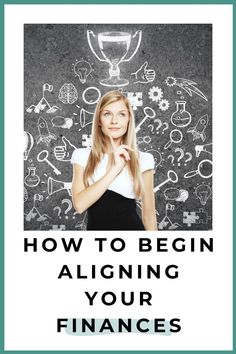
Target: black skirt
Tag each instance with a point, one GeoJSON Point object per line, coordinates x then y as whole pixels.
{"type": "Point", "coordinates": [113, 211]}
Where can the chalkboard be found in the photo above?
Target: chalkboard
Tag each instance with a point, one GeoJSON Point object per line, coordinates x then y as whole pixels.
{"type": "Point", "coordinates": [166, 72]}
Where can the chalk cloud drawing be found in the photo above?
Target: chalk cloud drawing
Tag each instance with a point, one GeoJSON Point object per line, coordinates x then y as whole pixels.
{"type": "Point", "coordinates": [32, 180]}
{"type": "Point", "coordinates": [64, 152]}
{"type": "Point", "coordinates": [203, 193]}
{"type": "Point", "coordinates": [45, 136]}
{"type": "Point", "coordinates": [181, 117]}
{"type": "Point", "coordinates": [144, 75]}
{"type": "Point", "coordinates": [176, 194]}
{"type": "Point", "coordinates": [199, 130]}
{"type": "Point", "coordinates": [82, 69]}
{"type": "Point", "coordinates": [62, 122]}
{"type": "Point", "coordinates": [114, 48]}
{"type": "Point", "coordinates": [43, 104]}
{"type": "Point", "coordinates": [68, 93]}
{"type": "Point", "coordinates": [28, 144]}
{"type": "Point", "coordinates": [188, 86]}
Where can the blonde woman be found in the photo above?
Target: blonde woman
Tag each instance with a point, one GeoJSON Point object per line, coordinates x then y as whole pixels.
{"type": "Point", "coordinates": [109, 177]}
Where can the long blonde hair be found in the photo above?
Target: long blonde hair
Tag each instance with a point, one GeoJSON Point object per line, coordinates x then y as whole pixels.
{"type": "Point", "coordinates": [99, 142]}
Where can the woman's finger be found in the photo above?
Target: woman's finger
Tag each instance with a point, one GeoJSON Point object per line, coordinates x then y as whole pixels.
{"type": "Point", "coordinates": [112, 142]}
{"type": "Point", "coordinates": [126, 147]}
{"type": "Point", "coordinates": [125, 154]}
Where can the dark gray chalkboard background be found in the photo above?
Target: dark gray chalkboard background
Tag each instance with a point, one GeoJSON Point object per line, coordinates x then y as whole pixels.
{"type": "Point", "coordinates": [172, 50]}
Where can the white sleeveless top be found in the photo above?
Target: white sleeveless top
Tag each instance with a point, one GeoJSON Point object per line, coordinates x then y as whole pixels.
{"type": "Point", "coordinates": [123, 183]}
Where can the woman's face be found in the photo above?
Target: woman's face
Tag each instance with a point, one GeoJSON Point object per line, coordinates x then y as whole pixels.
{"type": "Point", "coordinates": [114, 119]}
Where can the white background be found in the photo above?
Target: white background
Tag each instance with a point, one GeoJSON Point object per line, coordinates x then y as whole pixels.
{"type": "Point", "coordinates": [201, 297]}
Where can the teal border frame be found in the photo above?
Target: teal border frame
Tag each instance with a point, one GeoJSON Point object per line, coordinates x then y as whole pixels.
{"type": "Point", "coordinates": [69, 2]}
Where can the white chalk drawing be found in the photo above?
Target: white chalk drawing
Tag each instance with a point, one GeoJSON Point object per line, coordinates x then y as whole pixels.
{"type": "Point", "coordinates": [85, 117]}
{"type": "Point", "coordinates": [114, 48]}
{"type": "Point", "coordinates": [181, 151]}
{"type": "Point", "coordinates": [171, 177]}
{"type": "Point", "coordinates": [182, 155]}
{"type": "Point", "coordinates": [166, 221]}
{"type": "Point", "coordinates": [155, 93]}
{"type": "Point", "coordinates": [144, 75]}
{"type": "Point", "coordinates": [46, 226]}
{"type": "Point", "coordinates": [176, 137]}
{"type": "Point", "coordinates": [25, 195]}
{"type": "Point", "coordinates": [59, 211]}
{"type": "Point", "coordinates": [32, 180]}
{"type": "Point", "coordinates": [203, 193]}
{"type": "Point", "coordinates": [204, 170]}
{"type": "Point", "coordinates": [64, 152]}
{"type": "Point", "coordinates": [45, 136]}
{"type": "Point", "coordinates": [195, 217]}
{"type": "Point", "coordinates": [199, 130]}
{"type": "Point", "coordinates": [43, 103]}
{"type": "Point", "coordinates": [190, 156]}
{"type": "Point", "coordinates": [68, 93]}
{"type": "Point", "coordinates": [181, 118]}
{"type": "Point", "coordinates": [81, 225]}
{"type": "Point", "coordinates": [163, 105]}
{"type": "Point", "coordinates": [135, 99]}
{"type": "Point", "coordinates": [69, 206]}
{"type": "Point", "coordinates": [206, 148]}
{"type": "Point", "coordinates": [172, 157]}
{"type": "Point", "coordinates": [144, 139]}
{"type": "Point", "coordinates": [157, 157]}
{"type": "Point", "coordinates": [55, 186]}
{"type": "Point", "coordinates": [176, 194]}
{"type": "Point", "coordinates": [28, 144]}
{"type": "Point", "coordinates": [149, 113]}
{"type": "Point", "coordinates": [188, 86]}
{"type": "Point", "coordinates": [82, 69]}
{"type": "Point", "coordinates": [34, 212]}
{"type": "Point", "coordinates": [86, 140]}
{"type": "Point", "coordinates": [62, 122]}
{"type": "Point", "coordinates": [43, 156]}
{"type": "Point", "coordinates": [90, 92]}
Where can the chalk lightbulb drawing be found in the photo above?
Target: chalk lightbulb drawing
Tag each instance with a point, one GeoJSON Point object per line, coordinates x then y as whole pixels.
{"type": "Point", "coordinates": [82, 69]}
{"type": "Point", "coordinates": [203, 192]}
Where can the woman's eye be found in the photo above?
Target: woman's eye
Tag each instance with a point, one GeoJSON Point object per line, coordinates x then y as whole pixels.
{"type": "Point", "coordinates": [107, 114]}
{"type": "Point", "coordinates": [122, 114]}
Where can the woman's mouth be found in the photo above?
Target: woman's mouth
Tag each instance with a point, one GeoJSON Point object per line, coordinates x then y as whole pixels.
{"type": "Point", "coordinates": [114, 129]}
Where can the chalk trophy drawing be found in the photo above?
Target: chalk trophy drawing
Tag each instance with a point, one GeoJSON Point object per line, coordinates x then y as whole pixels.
{"type": "Point", "coordinates": [68, 94]}
{"type": "Point", "coordinates": [195, 217]}
{"type": "Point", "coordinates": [32, 180]}
{"type": "Point", "coordinates": [55, 186]}
{"type": "Point", "coordinates": [199, 130]}
{"type": "Point", "coordinates": [28, 144]}
{"type": "Point", "coordinates": [45, 135]}
{"type": "Point", "coordinates": [82, 69]}
{"type": "Point", "coordinates": [166, 221]}
{"type": "Point", "coordinates": [171, 177]}
{"type": "Point", "coordinates": [175, 137]}
{"type": "Point", "coordinates": [204, 170]}
{"type": "Point", "coordinates": [43, 103]}
{"type": "Point", "coordinates": [181, 118]}
{"type": "Point", "coordinates": [114, 48]}
{"type": "Point", "coordinates": [149, 113]}
{"type": "Point", "coordinates": [203, 193]}
{"type": "Point", "coordinates": [188, 86]}
{"type": "Point", "coordinates": [206, 148]}
{"type": "Point", "coordinates": [64, 152]}
{"type": "Point", "coordinates": [179, 195]}
{"type": "Point", "coordinates": [144, 75]}
{"type": "Point", "coordinates": [34, 212]}
{"type": "Point", "coordinates": [43, 156]}
{"type": "Point", "coordinates": [62, 122]}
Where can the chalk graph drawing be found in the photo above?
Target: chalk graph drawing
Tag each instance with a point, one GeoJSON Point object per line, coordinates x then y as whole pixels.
{"type": "Point", "coordinates": [114, 48]}
{"type": "Point", "coordinates": [43, 104]}
{"type": "Point", "coordinates": [172, 105]}
{"type": "Point", "coordinates": [82, 69]}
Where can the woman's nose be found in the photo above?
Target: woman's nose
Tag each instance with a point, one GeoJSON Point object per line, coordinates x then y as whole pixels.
{"type": "Point", "coordinates": [114, 118]}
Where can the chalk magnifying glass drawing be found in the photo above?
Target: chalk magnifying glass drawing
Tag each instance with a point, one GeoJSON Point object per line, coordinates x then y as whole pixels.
{"type": "Point", "coordinates": [204, 170]}
{"type": "Point", "coordinates": [175, 137]}
{"type": "Point", "coordinates": [43, 156]}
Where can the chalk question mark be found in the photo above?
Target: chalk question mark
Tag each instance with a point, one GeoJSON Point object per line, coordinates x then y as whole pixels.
{"type": "Point", "coordinates": [166, 127]}
{"type": "Point", "coordinates": [188, 159]}
{"type": "Point", "coordinates": [173, 158]}
{"type": "Point", "coordinates": [59, 211]}
{"type": "Point", "coordinates": [152, 127]}
{"type": "Point", "coordinates": [69, 206]}
{"type": "Point", "coordinates": [159, 124]}
{"type": "Point", "coordinates": [181, 154]}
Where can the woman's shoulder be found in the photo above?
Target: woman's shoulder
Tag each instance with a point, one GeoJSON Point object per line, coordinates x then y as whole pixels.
{"type": "Point", "coordinates": [146, 161]}
{"type": "Point", "coordinates": [80, 156]}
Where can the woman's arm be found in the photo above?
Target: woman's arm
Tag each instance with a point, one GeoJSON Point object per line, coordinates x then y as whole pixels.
{"type": "Point", "coordinates": [148, 202]}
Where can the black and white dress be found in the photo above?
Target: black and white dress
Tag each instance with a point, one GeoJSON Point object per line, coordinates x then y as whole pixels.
{"type": "Point", "coordinates": [116, 208]}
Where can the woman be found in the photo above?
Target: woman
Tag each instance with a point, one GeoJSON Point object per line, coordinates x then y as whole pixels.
{"type": "Point", "coordinates": [109, 177]}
